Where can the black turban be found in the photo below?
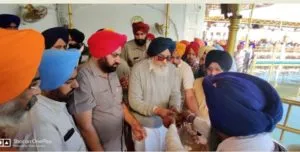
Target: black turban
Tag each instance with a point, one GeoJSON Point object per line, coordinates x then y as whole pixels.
{"type": "Point", "coordinates": [53, 34]}
{"type": "Point", "coordinates": [221, 57]}
{"type": "Point", "coordinates": [160, 44]}
{"type": "Point", "coordinates": [7, 19]}
{"type": "Point", "coordinates": [76, 35]}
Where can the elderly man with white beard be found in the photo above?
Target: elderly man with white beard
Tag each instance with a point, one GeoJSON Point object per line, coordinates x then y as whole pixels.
{"type": "Point", "coordinates": [18, 85]}
{"type": "Point", "coordinates": [154, 93]}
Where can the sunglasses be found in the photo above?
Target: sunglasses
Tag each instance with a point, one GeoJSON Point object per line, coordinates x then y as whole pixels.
{"type": "Point", "coordinates": [163, 58]}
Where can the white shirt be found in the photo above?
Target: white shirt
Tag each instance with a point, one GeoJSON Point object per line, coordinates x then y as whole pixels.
{"type": "Point", "coordinates": [259, 142]}
{"type": "Point", "coordinates": [49, 127]}
{"type": "Point", "coordinates": [186, 75]}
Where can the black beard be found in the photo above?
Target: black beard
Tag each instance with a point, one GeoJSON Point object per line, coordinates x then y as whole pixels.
{"type": "Point", "coordinates": [140, 42]}
{"type": "Point", "coordinates": [105, 67]}
{"type": "Point", "coordinates": [58, 96]}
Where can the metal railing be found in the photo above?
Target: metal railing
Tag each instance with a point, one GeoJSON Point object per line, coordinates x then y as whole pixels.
{"type": "Point", "coordinates": [284, 127]}
{"type": "Point", "coordinates": [271, 63]}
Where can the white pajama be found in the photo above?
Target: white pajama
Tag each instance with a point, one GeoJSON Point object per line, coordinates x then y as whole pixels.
{"type": "Point", "coordinates": [155, 140]}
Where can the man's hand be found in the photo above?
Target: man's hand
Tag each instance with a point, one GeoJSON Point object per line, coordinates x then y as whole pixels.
{"type": "Point", "coordinates": [174, 110]}
{"type": "Point", "coordinates": [188, 116]}
{"type": "Point", "coordinates": [124, 82]}
{"type": "Point", "coordinates": [178, 119]}
{"type": "Point", "coordinates": [138, 132]}
{"type": "Point", "coordinates": [167, 116]}
{"type": "Point", "coordinates": [168, 120]}
{"type": "Point", "coordinates": [163, 112]}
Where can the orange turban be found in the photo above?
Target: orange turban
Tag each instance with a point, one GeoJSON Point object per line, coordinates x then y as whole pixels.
{"type": "Point", "coordinates": [106, 29]}
{"type": "Point", "coordinates": [205, 50]}
{"type": "Point", "coordinates": [19, 60]}
{"type": "Point", "coordinates": [185, 42]}
{"type": "Point", "coordinates": [199, 41]}
{"type": "Point", "coordinates": [180, 49]}
{"type": "Point", "coordinates": [109, 29]}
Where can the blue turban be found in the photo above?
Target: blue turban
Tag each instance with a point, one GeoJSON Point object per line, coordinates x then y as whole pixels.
{"type": "Point", "coordinates": [57, 67]}
{"type": "Point", "coordinates": [160, 44]}
{"type": "Point", "coordinates": [241, 105]}
{"type": "Point", "coordinates": [7, 19]}
{"type": "Point", "coordinates": [218, 47]}
{"type": "Point", "coordinates": [53, 34]}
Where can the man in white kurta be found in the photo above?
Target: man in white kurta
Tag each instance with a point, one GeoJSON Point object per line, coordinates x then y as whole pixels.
{"type": "Point", "coordinates": [48, 126]}
{"type": "Point", "coordinates": [186, 77]}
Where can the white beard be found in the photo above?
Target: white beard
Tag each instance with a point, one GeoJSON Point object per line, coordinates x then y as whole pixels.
{"type": "Point", "coordinates": [11, 115]}
{"type": "Point", "coordinates": [161, 70]}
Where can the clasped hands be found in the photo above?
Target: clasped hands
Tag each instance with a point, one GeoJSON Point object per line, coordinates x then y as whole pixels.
{"type": "Point", "coordinates": [172, 115]}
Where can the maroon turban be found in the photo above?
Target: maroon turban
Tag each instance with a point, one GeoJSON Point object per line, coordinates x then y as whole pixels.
{"type": "Point", "coordinates": [140, 26]}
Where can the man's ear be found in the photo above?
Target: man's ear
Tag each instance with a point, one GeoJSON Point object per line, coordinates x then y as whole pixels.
{"type": "Point", "coordinates": [81, 49]}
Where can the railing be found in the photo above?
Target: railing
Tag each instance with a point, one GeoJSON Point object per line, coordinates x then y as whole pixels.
{"type": "Point", "coordinates": [220, 19]}
{"type": "Point", "coordinates": [284, 127]}
{"type": "Point", "coordinates": [275, 65]}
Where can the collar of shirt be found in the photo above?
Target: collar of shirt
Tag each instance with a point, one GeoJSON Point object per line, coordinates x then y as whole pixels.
{"type": "Point", "coordinates": [180, 64]}
{"type": "Point", "coordinates": [51, 104]}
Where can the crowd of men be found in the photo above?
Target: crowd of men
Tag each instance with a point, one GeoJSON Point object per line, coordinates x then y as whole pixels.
{"type": "Point", "coordinates": [58, 94]}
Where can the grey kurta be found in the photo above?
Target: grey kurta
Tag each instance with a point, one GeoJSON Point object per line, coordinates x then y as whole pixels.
{"type": "Point", "coordinates": [148, 90]}
{"type": "Point", "coordinates": [103, 96]}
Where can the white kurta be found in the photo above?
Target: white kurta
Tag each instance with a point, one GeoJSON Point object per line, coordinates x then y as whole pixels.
{"type": "Point", "coordinates": [155, 140]}
{"type": "Point", "coordinates": [49, 127]}
{"type": "Point", "coordinates": [173, 142]}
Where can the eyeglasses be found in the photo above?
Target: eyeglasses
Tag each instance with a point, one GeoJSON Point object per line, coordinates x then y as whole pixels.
{"type": "Point", "coordinates": [163, 58]}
